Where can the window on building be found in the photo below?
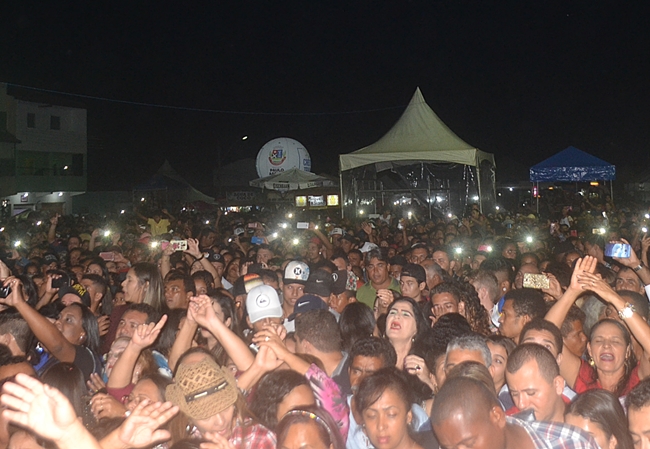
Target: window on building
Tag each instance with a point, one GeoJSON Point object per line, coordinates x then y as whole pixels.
{"type": "Point", "coordinates": [31, 120]}
{"type": "Point", "coordinates": [55, 122]}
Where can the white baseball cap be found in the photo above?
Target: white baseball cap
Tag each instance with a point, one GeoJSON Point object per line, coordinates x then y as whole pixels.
{"type": "Point", "coordinates": [263, 302]}
{"type": "Point", "coordinates": [296, 272]}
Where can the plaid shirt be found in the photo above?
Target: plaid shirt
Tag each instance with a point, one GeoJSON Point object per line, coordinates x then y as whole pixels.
{"type": "Point", "coordinates": [247, 435]}
{"type": "Point", "coordinates": [555, 435]}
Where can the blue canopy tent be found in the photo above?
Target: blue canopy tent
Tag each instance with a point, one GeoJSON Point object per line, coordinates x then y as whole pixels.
{"type": "Point", "coordinates": [572, 165]}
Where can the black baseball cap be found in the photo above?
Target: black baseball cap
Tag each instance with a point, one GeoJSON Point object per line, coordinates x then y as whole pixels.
{"type": "Point", "coordinates": [319, 283]}
{"type": "Point", "coordinates": [306, 303]}
{"type": "Point", "coordinates": [415, 271]}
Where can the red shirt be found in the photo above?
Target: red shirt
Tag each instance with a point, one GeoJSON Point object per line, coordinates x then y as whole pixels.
{"type": "Point", "coordinates": [588, 380]}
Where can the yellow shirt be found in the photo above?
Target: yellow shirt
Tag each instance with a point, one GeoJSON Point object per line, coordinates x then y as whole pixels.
{"type": "Point", "coordinates": [158, 228]}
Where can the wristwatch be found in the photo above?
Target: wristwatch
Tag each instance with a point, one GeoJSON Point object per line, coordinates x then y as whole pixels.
{"type": "Point", "coordinates": [627, 311]}
{"type": "Point", "coordinates": [639, 268]}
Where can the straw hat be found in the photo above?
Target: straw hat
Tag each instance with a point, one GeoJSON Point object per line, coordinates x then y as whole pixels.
{"type": "Point", "coordinates": [203, 389]}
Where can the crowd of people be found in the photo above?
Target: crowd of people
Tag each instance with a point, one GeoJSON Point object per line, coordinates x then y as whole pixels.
{"type": "Point", "coordinates": [261, 330]}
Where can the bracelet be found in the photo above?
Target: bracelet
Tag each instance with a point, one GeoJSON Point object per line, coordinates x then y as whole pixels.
{"type": "Point", "coordinates": [627, 311]}
{"type": "Point", "coordinates": [200, 258]}
{"type": "Point", "coordinates": [639, 268]}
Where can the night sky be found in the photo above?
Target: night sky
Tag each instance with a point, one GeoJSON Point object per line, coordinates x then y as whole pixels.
{"type": "Point", "coordinates": [520, 79]}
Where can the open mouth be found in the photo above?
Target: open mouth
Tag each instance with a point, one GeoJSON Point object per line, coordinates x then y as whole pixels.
{"type": "Point", "coordinates": [607, 357]}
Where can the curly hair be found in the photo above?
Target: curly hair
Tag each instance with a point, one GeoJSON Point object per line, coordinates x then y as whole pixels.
{"type": "Point", "coordinates": [271, 391]}
{"type": "Point", "coordinates": [476, 315]}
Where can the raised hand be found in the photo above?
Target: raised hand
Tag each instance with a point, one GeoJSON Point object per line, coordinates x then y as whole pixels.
{"type": "Point", "coordinates": [106, 406]}
{"type": "Point", "coordinates": [95, 383]}
{"type": "Point", "coordinates": [202, 310]}
{"type": "Point", "coordinates": [142, 427]}
{"type": "Point", "coordinates": [115, 237]}
{"type": "Point", "coordinates": [104, 323]}
{"type": "Point", "coordinates": [596, 284]}
{"type": "Point", "coordinates": [49, 289]}
{"type": "Point", "coordinates": [193, 248]}
{"type": "Point", "coordinates": [16, 294]}
{"type": "Point", "coordinates": [145, 335]}
{"type": "Point", "coordinates": [266, 360]}
{"type": "Point", "coordinates": [414, 364]}
{"type": "Point", "coordinates": [38, 407]}
{"type": "Point", "coordinates": [270, 338]}
{"type": "Point", "coordinates": [586, 264]}
{"type": "Point", "coordinates": [554, 289]}
{"type": "Point", "coordinates": [384, 299]}
{"type": "Point", "coordinates": [630, 262]}
{"type": "Point", "coordinates": [645, 244]}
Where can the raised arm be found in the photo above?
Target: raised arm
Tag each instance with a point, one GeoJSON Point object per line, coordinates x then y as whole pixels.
{"type": "Point", "coordinates": [637, 325]}
{"type": "Point", "coordinates": [183, 340]}
{"type": "Point", "coordinates": [635, 264]}
{"type": "Point", "coordinates": [327, 392]}
{"type": "Point", "coordinates": [322, 237]}
{"type": "Point", "coordinates": [557, 313]}
{"type": "Point", "coordinates": [44, 330]}
{"type": "Point", "coordinates": [143, 337]}
{"type": "Point", "coordinates": [93, 236]}
{"type": "Point", "coordinates": [140, 216]}
{"type": "Point", "coordinates": [269, 337]}
{"type": "Point", "coordinates": [49, 293]}
{"type": "Point", "coordinates": [51, 232]}
{"type": "Point", "coordinates": [570, 366]}
{"type": "Point", "coordinates": [231, 343]}
{"type": "Point", "coordinates": [165, 264]}
{"type": "Point", "coordinates": [45, 411]}
{"type": "Point", "coordinates": [265, 361]}
{"type": "Point", "coordinates": [142, 428]}
{"type": "Point", "coordinates": [194, 251]}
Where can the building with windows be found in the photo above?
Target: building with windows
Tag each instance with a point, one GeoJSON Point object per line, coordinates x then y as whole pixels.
{"type": "Point", "coordinates": [43, 152]}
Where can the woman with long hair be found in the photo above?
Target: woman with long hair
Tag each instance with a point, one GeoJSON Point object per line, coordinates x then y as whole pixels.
{"type": "Point", "coordinates": [405, 327]}
{"type": "Point", "coordinates": [600, 413]}
{"type": "Point", "coordinates": [72, 338]}
{"type": "Point", "coordinates": [208, 395]}
{"type": "Point", "coordinates": [191, 334]}
{"type": "Point", "coordinates": [613, 365]}
{"type": "Point", "coordinates": [143, 284]}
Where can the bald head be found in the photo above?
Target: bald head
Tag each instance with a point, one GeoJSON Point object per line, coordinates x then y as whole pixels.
{"type": "Point", "coordinates": [465, 395]}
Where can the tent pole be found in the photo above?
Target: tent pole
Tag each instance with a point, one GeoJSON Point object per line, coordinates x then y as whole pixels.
{"type": "Point", "coordinates": [611, 190]}
{"type": "Point", "coordinates": [478, 179]}
{"type": "Point", "coordinates": [429, 195]}
{"type": "Point", "coordinates": [341, 203]}
{"type": "Point", "coordinates": [537, 197]}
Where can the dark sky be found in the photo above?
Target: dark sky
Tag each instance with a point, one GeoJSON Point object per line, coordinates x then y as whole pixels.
{"type": "Point", "coordinates": [520, 79]}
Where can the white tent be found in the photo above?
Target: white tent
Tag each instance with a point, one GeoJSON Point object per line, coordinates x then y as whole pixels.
{"type": "Point", "coordinates": [293, 179]}
{"type": "Point", "coordinates": [418, 137]}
